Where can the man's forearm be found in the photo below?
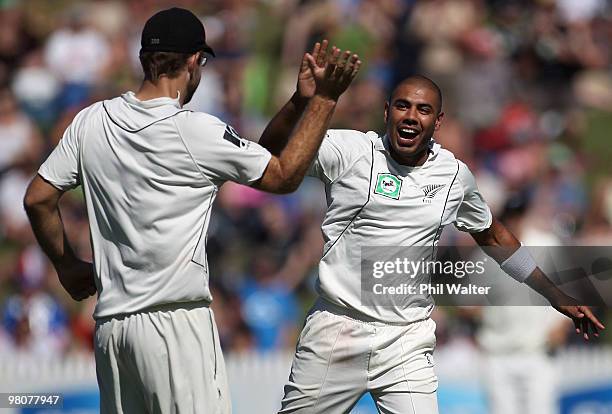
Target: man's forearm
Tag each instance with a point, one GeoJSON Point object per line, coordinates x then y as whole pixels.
{"type": "Point", "coordinates": [41, 203]}
{"type": "Point", "coordinates": [500, 244]}
{"type": "Point", "coordinates": [497, 241]}
{"type": "Point", "coordinates": [276, 135]}
{"type": "Point", "coordinates": [285, 172]}
{"type": "Point", "coordinates": [539, 282]}
{"type": "Point", "coordinates": [48, 228]}
{"type": "Point", "coordinates": [299, 152]}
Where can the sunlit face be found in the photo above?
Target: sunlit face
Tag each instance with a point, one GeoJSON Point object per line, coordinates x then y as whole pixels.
{"type": "Point", "coordinates": [412, 116]}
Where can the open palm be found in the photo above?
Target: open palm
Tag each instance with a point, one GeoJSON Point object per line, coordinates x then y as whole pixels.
{"type": "Point", "coordinates": [331, 70]}
{"type": "Point", "coordinates": [306, 85]}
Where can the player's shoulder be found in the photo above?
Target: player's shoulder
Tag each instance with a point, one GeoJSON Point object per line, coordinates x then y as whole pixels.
{"type": "Point", "coordinates": [445, 159]}
{"type": "Point", "coordinates": [199, 117]}
{"type": "Point", "coordinates": [351, 140]}
{"type": "Point", "coordinates": [90, 110]}
{"type": "Point", "coordinates": [464, 173]}
{"type": "Point", "coordinates": [465, 177]}
{"type": "Point", "coordinates": [86, 115]}
{"type": "Point", "coordinates": [200, 124]}
{"type": "Point", "coordinates": [449, 157]}
{"type": "Point", "coordinates": [353, 134]}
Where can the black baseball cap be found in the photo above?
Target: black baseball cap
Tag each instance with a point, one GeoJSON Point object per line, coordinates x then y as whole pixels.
{"type": "Point", "coordinates": [174, 30]}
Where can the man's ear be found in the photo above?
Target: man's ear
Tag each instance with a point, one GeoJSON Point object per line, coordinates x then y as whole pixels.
{"type": "Point", "coordinates": [386, 111]}
{"type": "Point", "coordinates": [439, 120]}
{"type": "Point", "coordinates": [192, 62]}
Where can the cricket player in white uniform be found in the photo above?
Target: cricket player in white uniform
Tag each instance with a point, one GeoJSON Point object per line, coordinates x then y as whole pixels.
{"type": "Point", "coordinates": [150, 171]}
{"type": "Point", "coordinates": [399, 189]}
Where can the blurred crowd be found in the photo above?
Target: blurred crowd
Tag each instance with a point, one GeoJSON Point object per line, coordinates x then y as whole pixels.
{"type": "Point", "coordinates": [527, 91]}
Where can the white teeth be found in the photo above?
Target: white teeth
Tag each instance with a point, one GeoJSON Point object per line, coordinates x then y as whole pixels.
{"type": "Point", "coordinates": [409, 130]}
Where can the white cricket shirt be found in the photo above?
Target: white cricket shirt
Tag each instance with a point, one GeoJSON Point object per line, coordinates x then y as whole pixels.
{"type": "Point", "coordinates": [374, 201]}
{"type": "Point", "coordinates": [150, 172]}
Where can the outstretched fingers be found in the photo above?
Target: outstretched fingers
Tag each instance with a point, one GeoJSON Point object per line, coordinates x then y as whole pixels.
{"type": "Point", "coordinates": [310, 61]}
{"type": "Point", "coordinates": [585, 321]}
{"type": "Point", "coordinates": [356, 69]}
{"type": "Point", "coordinates": [332, 69]}
{"type": "Point", "coordinates": [590, 322]}
{"type": "Point", "coordinates": [305, 65]}
{"type": "Point", "coordinates": [589, 314]}
{"type": "Point", "coordinates": [342, 63]}
{"type": "Point", "coordinates": [343, 66]}
{"type": "Point", "coordinates": [316, 49]}
{"type": "Point", "coordinates": [352, 67]}
{"type": "Point", "coordinates": [319, 52]}
{"type": "Point", "coordinates": [332, 62]}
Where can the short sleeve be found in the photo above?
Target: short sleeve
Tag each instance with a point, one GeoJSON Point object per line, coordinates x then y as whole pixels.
{"type": "Point", "coordinates": [474, 214]}
{"type": "Point", "coordinates": [334, 156]}
{"type": "Point", "coordinates": [220, 153]}
{"type": "Point", "coordinates": [61, 168]}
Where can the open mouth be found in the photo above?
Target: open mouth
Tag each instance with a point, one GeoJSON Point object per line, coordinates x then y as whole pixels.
{"type": "Point", "coordinates": [408, 133]}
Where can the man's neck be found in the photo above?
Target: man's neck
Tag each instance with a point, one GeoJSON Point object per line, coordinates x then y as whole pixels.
{"type": "Point", "coordinates": [416, 161]}
{"type": "Point", "coordinates": [163, 88]}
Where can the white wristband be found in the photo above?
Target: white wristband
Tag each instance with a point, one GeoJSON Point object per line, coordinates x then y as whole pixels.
{"type": "Point", "coordinates": [520, 265]}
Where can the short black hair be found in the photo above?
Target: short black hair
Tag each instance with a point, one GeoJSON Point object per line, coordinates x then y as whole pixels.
{"type": "Point", "coordinates": [424, 81]}
{"type": "Point", "coordinates": [155, 64]}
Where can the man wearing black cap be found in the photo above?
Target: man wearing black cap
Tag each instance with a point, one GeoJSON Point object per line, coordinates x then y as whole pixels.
{"type": "Point", "coordinates": [150, 171]}
{"type": "Point", "coordinates": [168, 38]}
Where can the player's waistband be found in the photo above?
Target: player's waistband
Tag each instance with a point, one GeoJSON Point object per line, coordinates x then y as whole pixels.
{"type": "Point", "coordinates": [164, 307]}
{"type": "Point", "coordinates": [325, 305]}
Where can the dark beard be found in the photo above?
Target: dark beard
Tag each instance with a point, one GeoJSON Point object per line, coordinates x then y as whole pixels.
{"type": "Point", "coordinates": [192, 86]}
{"type": "Point", "coordinates": [190, 92]}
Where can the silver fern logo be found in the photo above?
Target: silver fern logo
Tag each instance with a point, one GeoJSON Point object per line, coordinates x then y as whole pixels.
{"type": "Point", "coordinates": [430, 191]}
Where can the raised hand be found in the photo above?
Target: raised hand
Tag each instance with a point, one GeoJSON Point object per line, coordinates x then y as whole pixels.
{"type": "Point", "coordinates": [332, 70]}
{"type": "Point", "coordinates": [306, 85]}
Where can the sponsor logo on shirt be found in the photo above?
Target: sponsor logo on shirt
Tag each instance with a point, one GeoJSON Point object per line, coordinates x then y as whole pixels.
{"type": "Point", "coordinates": [232, 136]}
{"type": "Point", "coordinates": [388, 185]}
{"type": "Point", "coordinates": [430, 191]}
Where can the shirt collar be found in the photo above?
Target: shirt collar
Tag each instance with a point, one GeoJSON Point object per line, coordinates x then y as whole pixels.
{"type": "Point", "coordinates": [155, 102]}
{"type": "Point", "coordinates": [383, 144]}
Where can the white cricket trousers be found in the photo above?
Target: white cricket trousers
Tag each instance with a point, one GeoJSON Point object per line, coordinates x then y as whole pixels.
{"type": "Point", "coordinates": [164, 360]}
{"type": "Point", "coordinates": [340, 356]}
